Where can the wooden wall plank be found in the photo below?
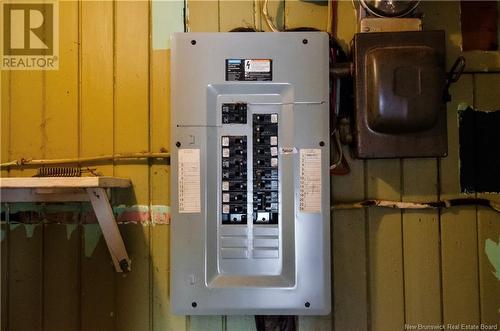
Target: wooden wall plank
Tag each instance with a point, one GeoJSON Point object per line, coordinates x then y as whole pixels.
{"type": "Point", "coordinates": [61, 269]}
{"type": "Point", "coordinates": [133, 288]}
{"type": "Point", "coordinates": [305, 14]}
{"type": "Point", "coordinates": [346, 23]}
{"type": "Point", "coordinates": [97, 70]}
{"type": "Point", "coordinates": [25, 284]}
{"type": "Point", "coordinates": [25, 135]}
{"type": "Point", "coordinates": [4, 265]}
{"type": "Point", "coordinates": [60, 122]}
{"type": "Point", "coordinates": [235, 14]}
{"type": "Point", "coordinates": [4, 119]}
{"type": "Point", "coordinates": [349, 287]}
{"type": "Point", "coordinates": [96, 138]}
{"type": "Point", "coordinates": [203, 323]}
{"type": "Point", "coordinates": [131, 134]}
{"type": "Point", "coordinates": [458, 227]}
{"type": "Point", "coordinates": [131, 116]}
{"type": "Point", "coordinates": [162, 318]}
{"type": "Point", "coordinates": [386, 288]}
{"type": "Point", "coordinates": [26, 132]}
{"type": "Point", "coordinates": [488, 221]}
{"type": "Point", "coordinates": [61, 288]}
{"type": "Point", "coordinates": [241, 323]}
{"type": "Point", "coordinates": [489, 274]}
{"type": "Point", "coordinates": [422, 276]}
{"type": "Point", "coordinates": [97, 282]}
{"type": "Point", "coordinates": [445, 16]}
{"type": "Point", "coordinates": [203, 16]}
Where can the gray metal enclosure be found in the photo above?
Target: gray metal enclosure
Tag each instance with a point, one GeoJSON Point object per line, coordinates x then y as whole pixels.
{"type": "Point", "coordinates": [250, 173]}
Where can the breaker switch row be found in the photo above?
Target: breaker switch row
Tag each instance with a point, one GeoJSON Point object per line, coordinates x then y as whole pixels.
{"type": "Point", "coordinates": [265, 169]}
{"type": "Point", "coordinates": [234, 179]}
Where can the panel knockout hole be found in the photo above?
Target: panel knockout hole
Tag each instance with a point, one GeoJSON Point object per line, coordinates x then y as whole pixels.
{"type": "Point", "coordinates": [193, 42]}
{"type": "Point", "coordinates": [307, 304]}
{"type": "Point", "coordinates": [178, 144]}
{"type": "Point", "coordinates": [194, 304]}
{"type": "Point", "coordinates": [322, 143]}
{"type": "Point", "coordinates": [305, 41]}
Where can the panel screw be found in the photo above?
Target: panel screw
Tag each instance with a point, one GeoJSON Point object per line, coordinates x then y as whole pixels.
{"type": "Point", "coordinates": [193, 42]}
{"type": "Point", "coordinates": [322, 143]}
{"type": "Point", "coordinates": [178, 144]}
{"type": "Point", "coordinates": [304, 41]}
{"type": "Point", "coordinates": [194, 304]}
{"type": "Point", "coordinates": [307, 304]}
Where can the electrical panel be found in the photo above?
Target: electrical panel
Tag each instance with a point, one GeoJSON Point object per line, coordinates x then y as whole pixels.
{"type": "Point", "coordinates": [250, 173]}
{"type": "Point", "coordinates": [400, 94]}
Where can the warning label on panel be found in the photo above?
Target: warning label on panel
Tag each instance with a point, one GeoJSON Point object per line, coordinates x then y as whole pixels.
{"type": "Point", "coordinates": [310, 180]}
{"type": "Point", "coordinates": [249, 70]}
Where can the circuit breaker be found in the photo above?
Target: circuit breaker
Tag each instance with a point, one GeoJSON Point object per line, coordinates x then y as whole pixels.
{"type": "Point", "coordinates": [250, 173]}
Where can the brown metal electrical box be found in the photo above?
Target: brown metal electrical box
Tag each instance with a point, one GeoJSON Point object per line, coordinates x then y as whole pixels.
{"type": "Point", "coordinates": [400, 85]}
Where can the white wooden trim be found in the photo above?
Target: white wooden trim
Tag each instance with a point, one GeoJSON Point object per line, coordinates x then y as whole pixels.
{"type": "Point", "coordinates": [62, 182]}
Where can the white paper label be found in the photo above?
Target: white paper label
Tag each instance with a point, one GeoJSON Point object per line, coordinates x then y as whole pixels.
{"type": "Point", "coordinates": [310, 180]}
{"type": "Point", "coordinates": [189, 181]}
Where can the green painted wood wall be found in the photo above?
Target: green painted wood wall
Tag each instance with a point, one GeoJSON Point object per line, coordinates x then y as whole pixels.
{"type": "Point", "coordinates": [111, 95]}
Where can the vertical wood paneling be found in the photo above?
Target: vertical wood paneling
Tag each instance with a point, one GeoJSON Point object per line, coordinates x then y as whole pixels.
{"type": "Point", "coordinates": [96, 88]}
{"type": "Point", "coordinates": [160, 193]}
{"type": "Point", "coordinates": [61, 267]}
{"type": "Point", "coordinates": [25, 284]}
{"type": "Point", "coordinates": [96, 138]}
{"type": "Point", "coordinates": [234, 14]}
{"type": "Point", "coordinates": [162, 318]}
{"type": "Point", "coordinates": [305, 14]}
{"type": "Point", "coordinates": [350, 301]}
{"type": "Point", "coordinates": [203, 16]}
{"type": "Point", "coordinates": [458, 227]}
{"type": "Point", "coordinates": [26, 102]}
{"type": "Point", "coordinates": [97, 282]}
{"type": "Point", "coordinates": [386, 264]}
{"type": "Point", "coordinates": [26, 132]}
{"type": "Point", "coordinates": [386, 289]}
{"type": "Point", "coordinates": [131, 96]}
{"type": "Point", "coordinates": [132, 289]}
{"type": "Point", "coordinates": [4, 264]}
{"type": "Point", "coordinates": [421, 245]}
{"type": "Point", "coordinates": [488, 221]}
{"type": "Point", "coordinates": [346, 23]}
{"type": "Point", "coordinates": [4, 119]}
{"type": "Point", "coordinates": [131, 134]}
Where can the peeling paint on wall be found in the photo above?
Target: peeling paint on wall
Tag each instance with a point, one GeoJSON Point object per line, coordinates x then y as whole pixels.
{"type": "Point", "coordinates": [69, 213]}
{"type": "Point", "coordinates": [70, 228]}
{"type": "Point", "coordinates": [492, 250]}
{"type": "Point", "coordinates": [30, 230]}
{"type": "Point", "coordinates": [91, 236]}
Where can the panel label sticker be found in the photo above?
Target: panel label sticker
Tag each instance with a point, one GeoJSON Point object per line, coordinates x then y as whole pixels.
{"type": "Point", "coordinates": [249, 70]}
{"type": "Point", "coordinates": [310, 181]}
{"type": "Point", "coordinates": [189, 181]}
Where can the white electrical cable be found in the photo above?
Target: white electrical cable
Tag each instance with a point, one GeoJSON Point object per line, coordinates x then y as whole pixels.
{"type": "Point", "coordinates": [270, 23]}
